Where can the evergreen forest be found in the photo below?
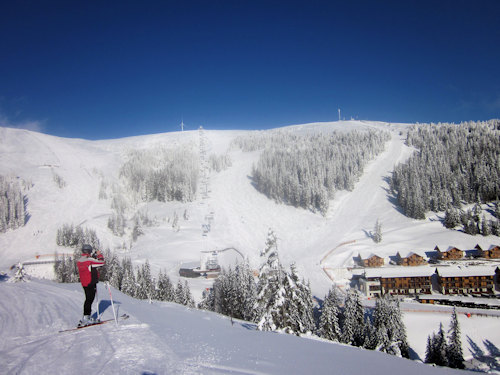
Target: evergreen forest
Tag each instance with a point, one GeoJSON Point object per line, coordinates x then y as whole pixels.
{"type": "Point", "coordinates": [306, 170]}
{"type": "Point", "coordinates": [452, 165]}
{"type": "Point", "coordinates": [13, 204]}
{"type": "Point", "coordinates": [162, 174]}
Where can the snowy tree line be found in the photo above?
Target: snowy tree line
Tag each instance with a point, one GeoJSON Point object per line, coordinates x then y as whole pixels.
{"type": "Point", "coordinates": [344, 319]}
{"type": "Point", "coordinates": [70, 236]}
{"type": "Point", "coordinates": [59, 181]}
{"type": "Point", "coordinates": [118, 224]}
{"type": "Point", "coordinates": [473, 221]}
{"type": "Point", "coordinates": [257, 140]}
{"type": "Point", "coordinates": [453, 164]}
{"type": "Point", "coordinates": [138, 283]}
{"type": "Point", "coordinates": [162, 174]}
{"type": "Point", "coordinates": [141, 284]}
{"type": "Point", "coordinates": [280, 301]}
{"type": "Point", "coordinates": [75, 236]}
{"type": "Point", "coordinates": [13, 204]}
{"type": "Point", "coordinates": [219, 163]}
{"type": "Point", "coordinates": [446, 351]}
{"type": "Point", "coordinates": [306, 170]}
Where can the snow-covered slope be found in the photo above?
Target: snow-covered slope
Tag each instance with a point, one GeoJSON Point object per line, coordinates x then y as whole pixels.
{"type": "Point", "coordinates": [242, 215]}
{"type": "Point", "coordinates": [322, 247]}
{"type": "Point", "coordinates": [162, 338]}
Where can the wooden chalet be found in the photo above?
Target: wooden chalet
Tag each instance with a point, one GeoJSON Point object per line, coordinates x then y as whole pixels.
{"type": "Point", "coordinates": [466, 280]}
{"type": "Point", "coordinates": [412, 259]}
{"type": "Point", "coordinates": [452, 253]}
{"type": "Point", "coordinates": [492, 253]}
{"type": "Point", "coordinates": [394, 281]}
{"type": "Point", "coordinates": [372, 260]}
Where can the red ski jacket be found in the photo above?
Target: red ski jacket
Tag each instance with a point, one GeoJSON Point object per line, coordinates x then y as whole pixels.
{"type": "Point", "coordinates": [87, 268]}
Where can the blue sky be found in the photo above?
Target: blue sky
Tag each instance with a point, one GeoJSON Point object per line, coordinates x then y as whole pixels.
{"type": "Point", "coordinates": [112, 69]}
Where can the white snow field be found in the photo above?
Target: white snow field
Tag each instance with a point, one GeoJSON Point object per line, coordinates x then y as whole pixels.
{"type": "Point", "coordinates": [162, 338]}
{"type": "Point", "coordinates": [323, 248]}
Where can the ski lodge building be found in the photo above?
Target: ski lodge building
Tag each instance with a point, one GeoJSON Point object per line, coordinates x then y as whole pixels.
{"type": "Point", "coordinates": [410, 260]}
{"type": "Point", "coordinates": [394, 281]}
{"type": "Point", "coordinates": [492, 253]}
{"type": "Point", "coordinates": [419, 280]}
{"type": "Point", "coordinates": [372, 260]}
{"type": "Point", "coordinates": [466, 280]}
{"type": "Point", "coordinates": [452, 253]}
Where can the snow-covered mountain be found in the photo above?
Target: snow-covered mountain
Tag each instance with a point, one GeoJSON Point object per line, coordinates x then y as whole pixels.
{"type": "Point", "coordinates": [64, 180]}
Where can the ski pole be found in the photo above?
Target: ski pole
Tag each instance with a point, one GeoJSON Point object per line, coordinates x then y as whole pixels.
{"type": "Point", "coordinates": [112, 304]}
{"type": "Point", "coordinates": [97, 298]}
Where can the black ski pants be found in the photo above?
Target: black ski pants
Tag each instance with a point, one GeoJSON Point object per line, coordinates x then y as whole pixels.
{"type": "Point", "coordinates": [90, 291]}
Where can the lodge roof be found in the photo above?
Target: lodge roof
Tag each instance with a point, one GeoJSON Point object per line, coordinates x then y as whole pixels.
{"type": "Point", "coordinates": [393, 272]}
{"type": "Point", "coordinates": [407, 254]}
{"type": "Point", "coordinates": [448, 248]}
{"type": "Point", "coordinates": [464, 271]}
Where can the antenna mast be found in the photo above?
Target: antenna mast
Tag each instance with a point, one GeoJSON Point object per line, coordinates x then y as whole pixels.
{"type": "Point", "coordinates": [339, 114]}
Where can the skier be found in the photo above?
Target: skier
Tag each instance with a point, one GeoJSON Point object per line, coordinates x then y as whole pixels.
{"type": "Point", "coordinates": [89, 276]}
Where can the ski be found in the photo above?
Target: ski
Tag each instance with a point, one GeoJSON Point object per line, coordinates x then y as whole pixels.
{"type": "Point", "coordinates": [121, 317]}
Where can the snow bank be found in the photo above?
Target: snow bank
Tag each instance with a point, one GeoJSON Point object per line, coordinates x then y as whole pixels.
{"type": "Point", "coordinates": [161, 338]}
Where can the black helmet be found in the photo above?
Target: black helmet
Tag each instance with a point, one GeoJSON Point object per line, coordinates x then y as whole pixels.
{"type": "Point", "coordinates": [86, 249]}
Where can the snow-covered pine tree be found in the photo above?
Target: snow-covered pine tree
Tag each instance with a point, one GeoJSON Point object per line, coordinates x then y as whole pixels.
{"type": "Point", "coordinates": [179, 293]}
{"type": "Point", "coordinates": [245, 291]}
{"type": "Point", "coordinates": [65, 270]}
{"type": "Point", "coordinates": [451, 218]}
{"type": "Point", "coordinates": [353, 319]}
{"type": "Point", "coordinates": [454, 354]}
{"type": "Point", "coordinates": [270, 290]}
{"type": "Point", "coordinates": [430, 355]}
{"type": "Point", "coordinates": [298, 310]}
{"type": "Point", "coordinates": [496, 210]}
{"type": "Point", "coordinates": [397, 331]}
{"type": "Point", "coordinates": [329, 327]}
{"type": "Point", "coordinates": [437, 348]}
{"type": "Point", "coordinates": [187, 299]}
{"type": "Point", "coordinates": [137, 230]}
{"type": "Point", "coordinates": [495, 227]}
{"type": "Point", "coordinates": [20, 273]}
{"type": "Point", "coordinates": [219, 294]}
{"type": "Point", "coordinates": [128, 282]}
{"type": "Point", "coordinates": [485, 226]}
{"type": "Point", "coordinates": [145, 285]}
{"type": "Point", "coordinates": [377, 232]}
{"type": "Point", "coordinates": [58, 268]}
{"type": "Point", "coordinates": [387, 317]}
{"type": "Point", "coordinates": [113, 272]}
{"type": "Point", "coordinates": [370, 335]}
{"type": "Point", "coordinates": [165, 288]}
{"type": "Point", "coordinates": [207, 302]}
